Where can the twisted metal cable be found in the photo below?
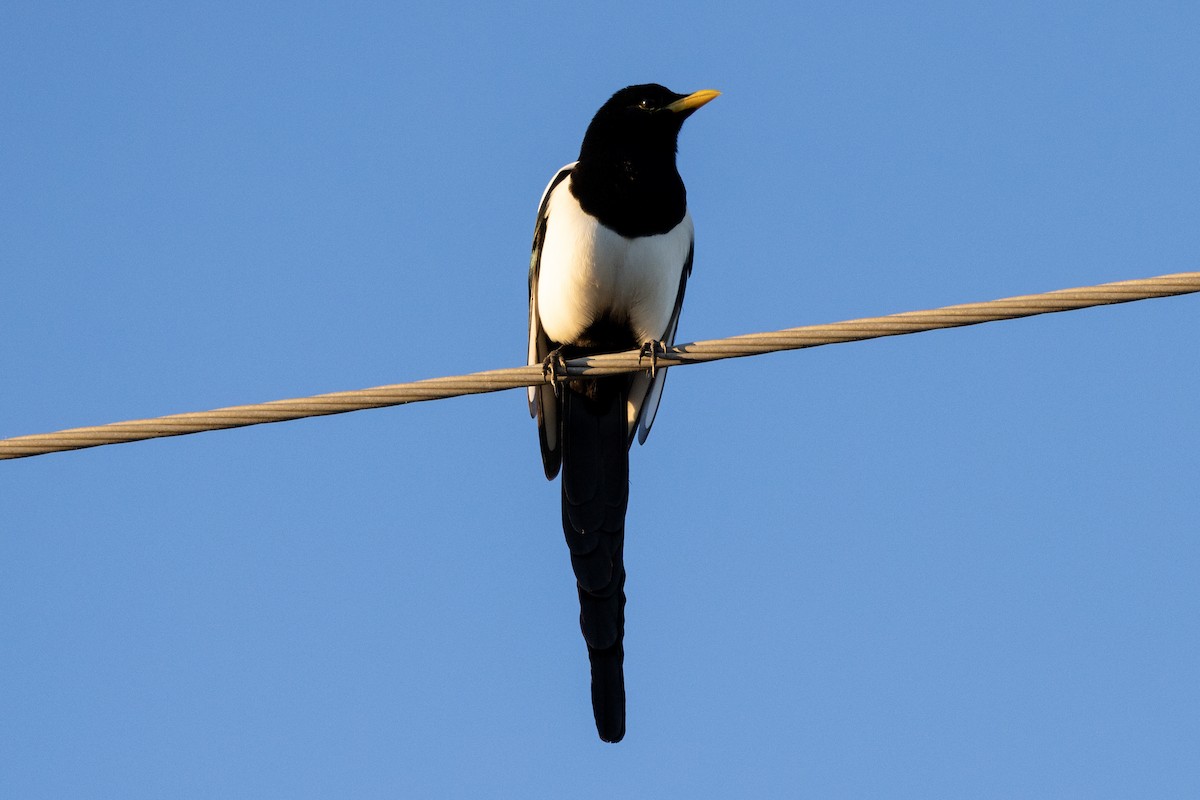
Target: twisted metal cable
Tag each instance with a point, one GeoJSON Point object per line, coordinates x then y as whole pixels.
{"type": "Point", "coordinates": [608, 364]}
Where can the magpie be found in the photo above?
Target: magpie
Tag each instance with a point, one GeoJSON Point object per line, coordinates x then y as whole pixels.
{"type": "Point", "coordinates": [612, 252]}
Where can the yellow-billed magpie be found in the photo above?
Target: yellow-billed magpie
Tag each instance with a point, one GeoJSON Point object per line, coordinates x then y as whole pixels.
{"type": "Point", "coordinates": [612, 252]}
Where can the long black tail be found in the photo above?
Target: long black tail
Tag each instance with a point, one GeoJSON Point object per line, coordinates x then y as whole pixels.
{"type": "Point", "coordinates": [595, 493]}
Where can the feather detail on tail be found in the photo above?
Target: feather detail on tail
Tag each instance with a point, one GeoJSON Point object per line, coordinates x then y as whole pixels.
{"type": "Point", "coordinates": [595, 494]}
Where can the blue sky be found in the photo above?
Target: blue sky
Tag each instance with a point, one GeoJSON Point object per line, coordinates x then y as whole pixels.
{"type": "Point", "coordinates": [954, 564]}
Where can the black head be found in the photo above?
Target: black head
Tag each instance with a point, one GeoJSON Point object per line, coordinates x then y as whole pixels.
{"type": "Point", "coordinates": [640, 119]}
{"type": "Point", "coordinates": [626, 175]}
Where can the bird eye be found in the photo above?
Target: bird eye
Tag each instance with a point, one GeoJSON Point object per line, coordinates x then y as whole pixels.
{"type": "Point", "coordinates": [645, 103]}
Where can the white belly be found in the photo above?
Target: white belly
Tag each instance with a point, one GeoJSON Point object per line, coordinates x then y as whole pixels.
{"type": "Point", "coordinates": [588, 272]}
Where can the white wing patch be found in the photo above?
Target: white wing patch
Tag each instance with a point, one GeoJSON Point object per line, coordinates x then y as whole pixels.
{"type": "Point", "coordinates": [535, 324]}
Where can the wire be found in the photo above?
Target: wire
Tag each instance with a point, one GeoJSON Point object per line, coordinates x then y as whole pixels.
{"type": "Point", "coordinates": [607, 364]}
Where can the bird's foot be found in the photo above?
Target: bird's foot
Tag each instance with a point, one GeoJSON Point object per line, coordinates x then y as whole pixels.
{"type": "Point", "coordinates": [651, 350]}
{"type": "Point", "coordinates": [554, 368]}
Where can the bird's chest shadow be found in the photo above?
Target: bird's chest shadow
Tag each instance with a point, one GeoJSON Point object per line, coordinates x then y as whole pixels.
{"type": "Point", "coordinates": [610, 332]}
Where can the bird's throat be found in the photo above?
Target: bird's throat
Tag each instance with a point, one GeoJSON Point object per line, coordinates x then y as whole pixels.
{"type": "Point", "coordinates": [633, 197]}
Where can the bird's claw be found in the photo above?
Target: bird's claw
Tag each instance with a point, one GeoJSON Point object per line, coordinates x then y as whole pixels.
{"type": "Point", "coordinates": [554, 369]}
{"type": "Point", "coordinates": [650, 350]}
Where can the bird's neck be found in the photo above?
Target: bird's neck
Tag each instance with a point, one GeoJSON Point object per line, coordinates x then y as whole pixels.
{"type": "Point", "coordinates": [635, 194]}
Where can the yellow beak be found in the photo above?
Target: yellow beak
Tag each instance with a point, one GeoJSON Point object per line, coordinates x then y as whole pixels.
{"type": "Point", "coordinates": [693, 100]}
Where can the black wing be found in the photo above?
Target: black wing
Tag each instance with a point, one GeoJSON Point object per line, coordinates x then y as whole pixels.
{"type": "Point", "coordinates": [543, 404]}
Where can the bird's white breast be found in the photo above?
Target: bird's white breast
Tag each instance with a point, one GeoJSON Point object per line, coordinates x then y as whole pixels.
{"type": "Point", "coordinates": [588, 271]}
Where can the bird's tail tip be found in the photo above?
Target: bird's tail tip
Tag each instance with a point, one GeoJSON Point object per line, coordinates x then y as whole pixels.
{"type": "Point", "coordinates": [608, 692]}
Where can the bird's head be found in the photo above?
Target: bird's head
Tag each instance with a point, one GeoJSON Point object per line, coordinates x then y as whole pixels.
{"type": "Point", "coordinates": [644, 118]}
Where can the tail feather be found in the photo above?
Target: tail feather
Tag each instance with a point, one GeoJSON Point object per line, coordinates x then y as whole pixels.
{"type": "Point", "coordinates": [595, 493]}
{"type": "Point", "coordinates": [608, 692]}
